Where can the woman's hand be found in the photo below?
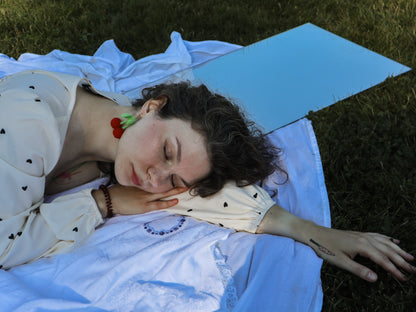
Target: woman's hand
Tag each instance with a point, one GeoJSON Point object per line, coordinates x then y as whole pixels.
{"type": "Point", "coordinates": [341, 247]}
{"type": "Point", "coordinates": [131, 200]}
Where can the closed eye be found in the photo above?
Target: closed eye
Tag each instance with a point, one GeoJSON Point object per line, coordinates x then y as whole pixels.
{"type": "Point", "coordinates": [165, 152]}
{"type": "Point", "coordinates": [167, 157]}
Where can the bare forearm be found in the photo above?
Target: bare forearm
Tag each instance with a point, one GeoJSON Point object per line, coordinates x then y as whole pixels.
{"type": "Point", "coordinates": [279, 221]}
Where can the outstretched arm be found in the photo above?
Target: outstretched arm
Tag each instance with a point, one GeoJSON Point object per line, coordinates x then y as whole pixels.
{"type": "Point", "coordinates": [340, 247]}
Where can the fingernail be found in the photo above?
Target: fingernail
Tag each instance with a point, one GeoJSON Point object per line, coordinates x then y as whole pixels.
{"type": "Point", "coordinates": [371, 276]}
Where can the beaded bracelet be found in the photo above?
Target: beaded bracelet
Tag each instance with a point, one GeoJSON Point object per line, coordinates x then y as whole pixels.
{"type": "Point", "coordinates": [108, 202]}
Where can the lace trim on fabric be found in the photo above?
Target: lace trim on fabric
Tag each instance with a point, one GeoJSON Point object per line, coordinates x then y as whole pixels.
{"type": "Point", "coordinates": [230, 298]}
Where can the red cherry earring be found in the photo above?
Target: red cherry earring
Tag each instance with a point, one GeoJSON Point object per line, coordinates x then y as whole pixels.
{"type": "Point", "coordinates": [119, 126]}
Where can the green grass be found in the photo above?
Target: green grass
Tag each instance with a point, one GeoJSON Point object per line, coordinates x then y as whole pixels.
{"type": "Point", "coordinates": [367, 142]}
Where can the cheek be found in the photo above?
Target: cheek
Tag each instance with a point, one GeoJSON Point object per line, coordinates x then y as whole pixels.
{"type": "Point", "coordinates": [140, 146]}
{"type": "Point", "coordinates": [123, 159]}
{"type": "Point", "coordinates": [120, 166]}
{"type": "Point", "coordinates": [118, 171]}
{"type": "Point", "coordinates": [142, 135]}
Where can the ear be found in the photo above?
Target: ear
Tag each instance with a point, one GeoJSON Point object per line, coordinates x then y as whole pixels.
{"type": "Point", "coordinates": [155, 104]}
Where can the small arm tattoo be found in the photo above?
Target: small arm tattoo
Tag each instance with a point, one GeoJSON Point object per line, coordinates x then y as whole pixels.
{"type": "Point", "coordinates": [322, 248]}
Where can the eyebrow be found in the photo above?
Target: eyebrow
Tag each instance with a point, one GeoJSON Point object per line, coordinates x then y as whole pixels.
{"type": "Point", "coordinates": [178, 159]}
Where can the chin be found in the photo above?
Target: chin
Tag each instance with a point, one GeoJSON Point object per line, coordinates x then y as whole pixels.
{"type": "Point", "coordinates": [120, 177]}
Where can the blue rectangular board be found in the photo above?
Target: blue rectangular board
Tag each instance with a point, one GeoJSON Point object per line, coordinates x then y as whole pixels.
{"type": "Point", "coordinates": [281, 79]}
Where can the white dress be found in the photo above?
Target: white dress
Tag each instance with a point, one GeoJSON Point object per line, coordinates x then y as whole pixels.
{"type": "Point", "coordinates": [35, 109]}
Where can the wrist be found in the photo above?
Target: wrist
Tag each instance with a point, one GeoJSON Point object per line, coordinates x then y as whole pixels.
{"type": "Point", "coordinates": [306, 230]}
{"type": "Point", "coordinates": [99, 198]}
{"type": "Point", "coordinates": [108, 202]}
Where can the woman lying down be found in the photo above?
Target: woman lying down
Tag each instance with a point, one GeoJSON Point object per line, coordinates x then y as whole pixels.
{"type": "Point", "coordinates": [177, 142]}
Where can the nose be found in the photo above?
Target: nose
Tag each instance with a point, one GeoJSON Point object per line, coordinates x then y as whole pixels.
{"type": "Point", "coordinates": [158, 176]}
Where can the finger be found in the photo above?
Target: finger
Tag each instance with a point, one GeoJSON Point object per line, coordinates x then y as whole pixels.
{"type": "Point", "coordinates": [400, 258]}
{"type": "Point", "coordinates": [172, 192]}
{"type": "Point", "coordinates": [162, 204]}
{"type": "Point", "coordinates": [378, 235]}
{"type": "Point", "coordinates": [391, 246]}
{"type": "Point", "coordinates": [384, 259]}
{"type": "Point", "coordinates": [401, 252]}
{"type": "Point", "coordinates": [393, 240]}
{"type": "Point", "coordinates": [384, 239]}
{"type": "Point", "coordinates": [355, 268]}
{"type": "Point", "coordinates": [400, 262]}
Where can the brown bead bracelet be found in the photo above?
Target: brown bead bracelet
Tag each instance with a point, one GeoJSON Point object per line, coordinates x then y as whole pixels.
{"type": "Point", "coordinates": [108, 202]}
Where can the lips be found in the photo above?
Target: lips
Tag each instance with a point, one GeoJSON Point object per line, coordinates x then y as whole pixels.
{"type": "Point", "coordinates": [135, 179]}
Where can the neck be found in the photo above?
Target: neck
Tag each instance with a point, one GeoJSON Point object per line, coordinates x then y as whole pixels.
{"type": "Point", "coordinates": [92, 116]}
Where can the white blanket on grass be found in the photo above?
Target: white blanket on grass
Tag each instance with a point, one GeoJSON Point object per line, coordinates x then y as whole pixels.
{"type": "Point", "coordinates": [128, 265]}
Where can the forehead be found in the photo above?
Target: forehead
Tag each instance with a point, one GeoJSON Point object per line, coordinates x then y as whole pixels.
{"type": "Point", "coordinates": [183, 128]}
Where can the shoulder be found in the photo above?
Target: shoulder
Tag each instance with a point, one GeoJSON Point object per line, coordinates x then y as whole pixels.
{"type": "Point", "coordinates": [35, 108]}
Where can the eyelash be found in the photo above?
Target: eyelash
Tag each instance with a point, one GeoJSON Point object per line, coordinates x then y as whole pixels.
{"type": "Point", "coordinates": [164, 151]}
{"type": "Point", "coordinates": [167, 158]}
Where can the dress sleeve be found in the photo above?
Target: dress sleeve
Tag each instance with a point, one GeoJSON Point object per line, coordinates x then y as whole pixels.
{"type": "Point", "coordinates": [32, 131]}
{"type": "Point", "coordinates": [239, 208]}
{"type": "Point", "coordinates": [30, 228]}
{"type": "Point", "coordinates": [48, 229]}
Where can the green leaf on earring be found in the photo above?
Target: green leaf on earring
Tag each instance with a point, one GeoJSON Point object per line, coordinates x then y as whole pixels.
{"type": "Point", "coordinates": [128, 122]}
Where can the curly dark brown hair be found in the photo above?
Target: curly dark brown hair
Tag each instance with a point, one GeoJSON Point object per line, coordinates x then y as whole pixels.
{"type": "Point", "coordinates": [238, 149]}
